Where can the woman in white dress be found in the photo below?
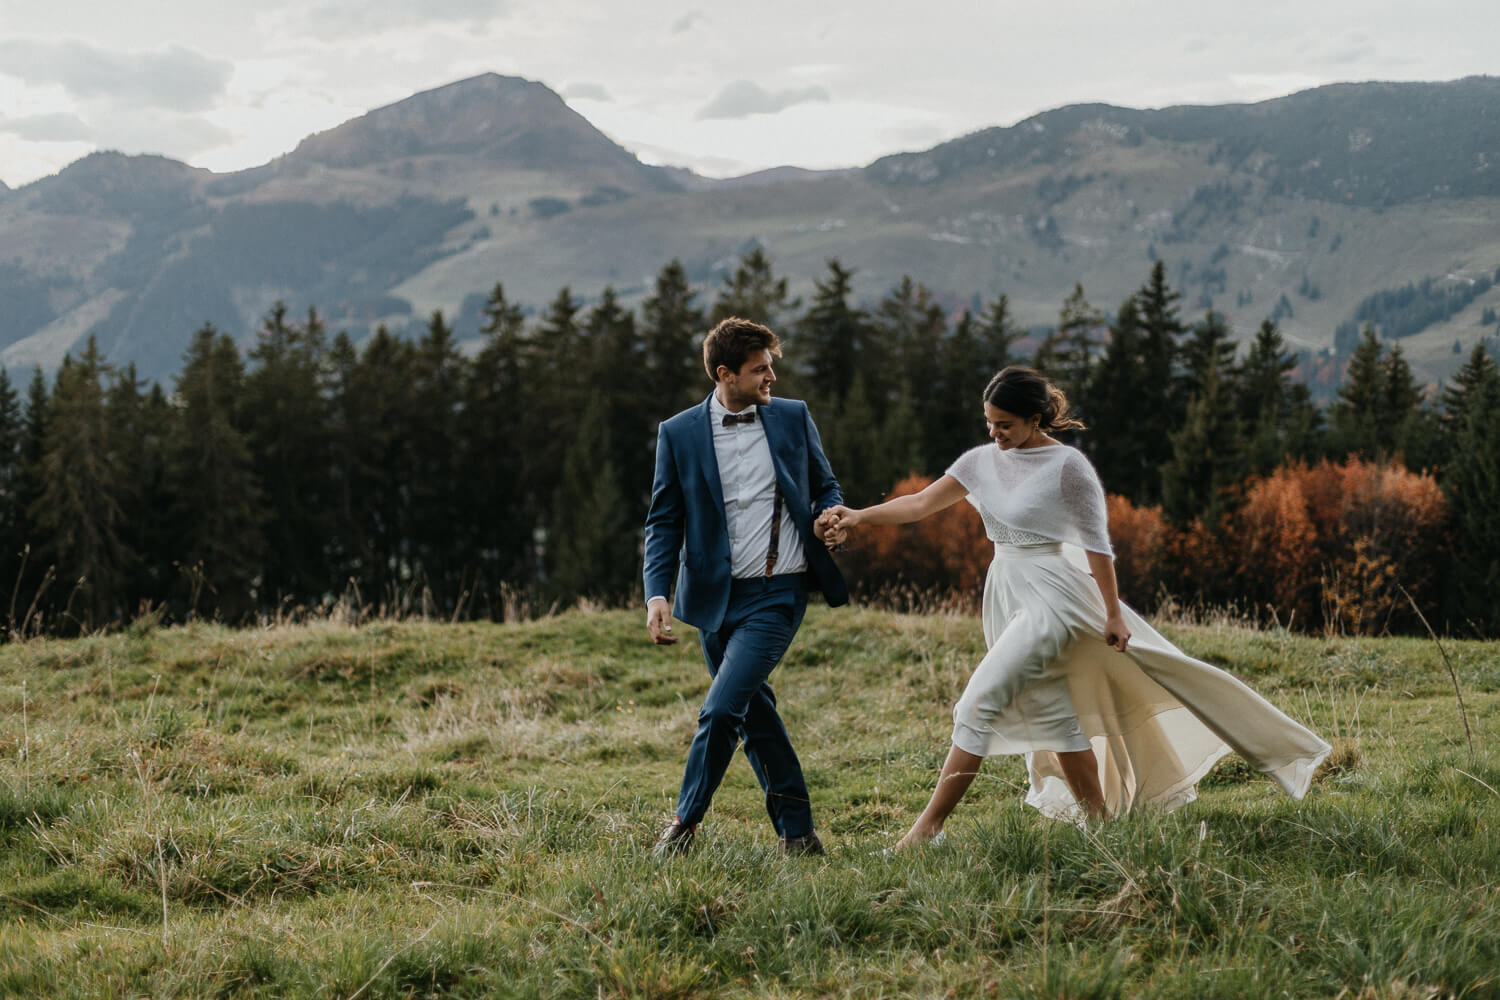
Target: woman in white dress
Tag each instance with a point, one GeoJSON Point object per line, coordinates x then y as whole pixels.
{"type": "Point", "coordinates": [1110, 715]}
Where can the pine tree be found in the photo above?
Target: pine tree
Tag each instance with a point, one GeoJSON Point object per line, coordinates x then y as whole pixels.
{"type": "Point", "coordinates": [1411, 430]}
{"type": "Point", "coordinates": [829, 338]}
{"type": "Point", "coordinates": [79, 510]}
{"type": "Point", "coordinates": [1360, 410]}
{"type": "Point", "coordinates": [216, 501]}
{"type": "Point", "coordinates": [854, 442]}
{"type": "Point", "coordinates": [1116, 410]}
{"type": "Point", "coordinates": [558, 371]}
{"type": "Point", "coordinates": [1071, 349]}
{"type": "Point", "coordinates": [1471, 483]}
{"type": "Point", "coordinates": [287, 426]}
{"type": "Point", "coordinates": [140, 423]}
{"type": "Point", "coordinates": [754, 292]}
{"type": "Point", "coordinates": [1161, 392]}
{"type": "Point", "coordinates": [1264, 399]}
{"type": "Point", "coordinates": [593, 530]}
{"type": "Point", "coordinates": [614, 344]}
{"type": "Point", "coordinates": [499, 514]}
{"type": "Point", "coordinates": [12, 471]}
{"type": "Point", "coordinates": [375, 405]}
{"type": "Point", "coordinates": [1205, 461]}
{"type": "Point", "coordinates": [346, 544]}
{"type": "Point", "coordinates": [957, 420]}
{"type": "Point", "coordinates": [672, 329]}
{"type": "Point", "coordinates": [996, 332]}
{"type": "Point", "coordinates": [904, 444]}
{"type": "Point", "coordinates": [593, 548]}
{"type": "Point", "coordinates": [438, 376]}
{"type": "Point", "coordinates": [898, 362]}
{"type": "Point", "coordinates": [35, 575]}
{"type": "Point", "coordinates": [1479, 370]}
{"type": "Point", "coordinates": [1208, 348]}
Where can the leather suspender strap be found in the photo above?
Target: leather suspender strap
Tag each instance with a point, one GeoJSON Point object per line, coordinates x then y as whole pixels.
{"type": "Point", "coordinates": [775, 531]}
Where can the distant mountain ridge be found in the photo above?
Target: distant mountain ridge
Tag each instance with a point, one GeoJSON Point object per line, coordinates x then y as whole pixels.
{"type": "Point", "coordinates": [1348, 143]}
{"type": "Point", "coordinates": [1300, 208]}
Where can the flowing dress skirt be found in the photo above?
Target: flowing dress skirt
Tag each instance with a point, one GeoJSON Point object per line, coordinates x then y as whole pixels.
{"type": "Point", "coordinates": [1156, 718]}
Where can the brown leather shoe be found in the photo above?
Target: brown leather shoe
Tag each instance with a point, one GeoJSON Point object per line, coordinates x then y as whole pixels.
{"type": "Point", "coordinates": [675, 840]}
{"type": "Point", "coordinates": [807, 845]}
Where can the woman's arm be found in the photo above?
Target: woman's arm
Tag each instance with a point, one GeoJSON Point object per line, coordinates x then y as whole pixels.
{"type": "Point", "coordinates": [1103, 568]}
{"type": "Point", "coordinates": [941, 495]}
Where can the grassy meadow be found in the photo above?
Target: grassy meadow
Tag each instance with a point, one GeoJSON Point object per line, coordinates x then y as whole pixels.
{"type": "Point", "coordinates": [415, 809]}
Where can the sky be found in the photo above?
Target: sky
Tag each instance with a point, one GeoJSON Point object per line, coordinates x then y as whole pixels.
{"type": "Point", "coordinates": [723, 88]}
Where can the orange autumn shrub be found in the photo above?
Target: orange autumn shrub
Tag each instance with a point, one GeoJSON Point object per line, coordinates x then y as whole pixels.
{"type": "Point", "coordinates": [1200, 566]}
{"type": "Point", "coordinates": [1394, 526]}
{"type": "Point", "coordinates": [1139, 536]}
{"type": "Point", "coordinates": [1277, 540]}
{"type": "Point", "coordinates": [940, 560]}
{"type": "Point", "coordinates": [1325, 546]}
{"type": "Point", "coordinates": [1336, 542]}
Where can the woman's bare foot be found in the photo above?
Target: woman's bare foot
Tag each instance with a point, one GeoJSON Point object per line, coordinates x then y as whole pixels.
{"type": "Point", "coordinates": [917, 836]}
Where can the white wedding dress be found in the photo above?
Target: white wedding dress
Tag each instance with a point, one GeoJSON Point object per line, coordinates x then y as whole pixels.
{"type": "Point", "coordinates": [1156, 718]}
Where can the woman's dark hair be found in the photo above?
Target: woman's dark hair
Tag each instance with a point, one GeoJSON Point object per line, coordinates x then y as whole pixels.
{"type": "Point", "coordinates": [1027, 393]}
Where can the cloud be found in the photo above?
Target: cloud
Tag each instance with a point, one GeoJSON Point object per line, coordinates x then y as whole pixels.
{"type": "Point", "coordinates": [1355, 53]}
{"type": "Point", "coordinates": [586, 92]}
{"type": "Point", "coordinates": [340, 20]}
{"type": "Point", "coordinates": [133, 130]}
{"type": "Point", "coordinates": [176, 79]}
{"type": "Point", "coordinates": [685, 22]}
{"type": "Point", "coordinates": [913, 135]}
{"type": "Point", "coordinates": [742, 98]}
{"type": "Point", "coordinates": [59, 127]}
{"type": "Point", "coordinates": [149, 131]}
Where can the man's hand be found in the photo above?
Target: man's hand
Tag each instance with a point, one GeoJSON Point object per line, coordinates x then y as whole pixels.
{"type": "Point", "coordinates": [829, 531]}
{"type": "Point", "coordinates": [659, 622]}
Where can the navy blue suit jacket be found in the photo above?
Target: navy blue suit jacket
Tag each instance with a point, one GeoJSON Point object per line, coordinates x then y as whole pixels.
{"type": "Point", "coordinates": [687, 537]}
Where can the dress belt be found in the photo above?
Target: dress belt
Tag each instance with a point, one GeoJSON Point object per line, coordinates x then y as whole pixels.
{"type": "Point", "coordinates": [1027, 551]}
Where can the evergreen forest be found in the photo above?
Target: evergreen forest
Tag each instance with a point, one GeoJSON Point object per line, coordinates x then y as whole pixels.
{"type": "Point", "coordinates": [417, 475]}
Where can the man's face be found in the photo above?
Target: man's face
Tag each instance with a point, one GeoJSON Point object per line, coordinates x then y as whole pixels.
{"type": "Point", "coordinates": [751, 385]}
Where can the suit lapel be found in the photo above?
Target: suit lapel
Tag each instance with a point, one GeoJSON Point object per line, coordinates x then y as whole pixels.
{"type": "Point", "coordinates": [710, 465]}
{"type": "Point", "coordinates": [770, 421]}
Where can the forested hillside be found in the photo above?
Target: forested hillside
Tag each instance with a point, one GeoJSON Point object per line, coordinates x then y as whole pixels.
{"type": "Point", "coordinates": [407, 475]}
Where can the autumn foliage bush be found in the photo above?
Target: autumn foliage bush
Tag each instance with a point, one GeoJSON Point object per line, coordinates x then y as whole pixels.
{"type": "Point", "coordinates": [936, 562]}
{"type": "Point", "coordinates": [1140, 536]}
{"type": "Point", "coordinates": [1336, 543]}
{"type": "Point", "coordinates": [1321, 547]}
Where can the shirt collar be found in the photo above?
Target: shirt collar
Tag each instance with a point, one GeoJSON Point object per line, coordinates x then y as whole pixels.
{"type": "Point", "coordinates": [719, 411]}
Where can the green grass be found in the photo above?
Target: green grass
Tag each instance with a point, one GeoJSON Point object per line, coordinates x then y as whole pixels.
{"type": "Point", "coordinates": [424, 810]}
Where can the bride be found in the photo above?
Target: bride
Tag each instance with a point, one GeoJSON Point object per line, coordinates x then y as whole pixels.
{"type": "Point", "coordinates": [1110, 715]}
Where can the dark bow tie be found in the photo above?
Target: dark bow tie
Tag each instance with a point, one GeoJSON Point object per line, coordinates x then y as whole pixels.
{"type": "Point", "coordinates": [748, 417]}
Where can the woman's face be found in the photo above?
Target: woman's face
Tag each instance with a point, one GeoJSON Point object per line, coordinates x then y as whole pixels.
{"type": "Point", "coordinates": [1008, 430]}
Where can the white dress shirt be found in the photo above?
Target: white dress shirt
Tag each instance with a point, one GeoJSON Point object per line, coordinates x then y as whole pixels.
{"type": "Point", "coordinates": [749, 482]}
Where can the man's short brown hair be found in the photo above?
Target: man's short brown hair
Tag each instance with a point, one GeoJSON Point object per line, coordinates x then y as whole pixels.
{"type": "Point", "coordinates": [734, 340]}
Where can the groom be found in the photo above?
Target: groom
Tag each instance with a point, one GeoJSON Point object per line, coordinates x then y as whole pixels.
{"type": "Point", "coordinates": [740, 479]}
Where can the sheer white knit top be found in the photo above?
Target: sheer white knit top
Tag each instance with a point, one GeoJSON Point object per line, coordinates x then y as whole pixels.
{"type": "Point", "coordinates": [1031, 496]}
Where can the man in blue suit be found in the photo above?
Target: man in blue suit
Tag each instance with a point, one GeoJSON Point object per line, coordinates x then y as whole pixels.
{"type": "Point", "coordinates": [741, 482]}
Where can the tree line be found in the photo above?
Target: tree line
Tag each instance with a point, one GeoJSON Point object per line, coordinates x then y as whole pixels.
{"type": "Point", "coordinates": [505, 478]}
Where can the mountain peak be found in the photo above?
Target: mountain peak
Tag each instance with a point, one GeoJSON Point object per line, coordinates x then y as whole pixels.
{"type": "Point", "coordinates": [508, 121]}
{"type": "Point", "coordinates": [111, 182]}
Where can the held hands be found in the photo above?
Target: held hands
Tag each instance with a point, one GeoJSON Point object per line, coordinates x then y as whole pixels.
{"type": "Point", "coordinates": [659, 622]}
{"type": "Point", "coordinates": [833, 525]}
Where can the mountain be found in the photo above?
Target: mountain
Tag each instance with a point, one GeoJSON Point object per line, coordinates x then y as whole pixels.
{"type": "Point", "coordinates": [1344, 201]}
